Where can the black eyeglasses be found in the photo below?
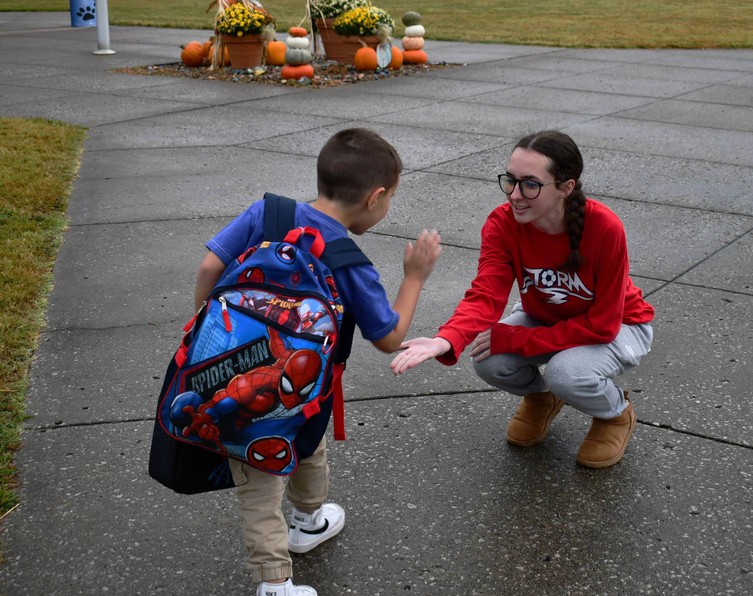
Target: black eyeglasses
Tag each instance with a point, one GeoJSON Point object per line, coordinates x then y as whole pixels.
{"type": "Point", "coordinates": [530, 189]}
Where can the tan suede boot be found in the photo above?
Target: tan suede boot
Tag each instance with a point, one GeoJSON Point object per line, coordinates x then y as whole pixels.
{"type": "Point", "coordinates": [530, 424]}
{"type": "Point", "coordinates": [605, 443]}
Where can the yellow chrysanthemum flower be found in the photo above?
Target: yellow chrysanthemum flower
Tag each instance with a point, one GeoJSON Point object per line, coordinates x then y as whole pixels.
{"type": "Point", "coordinates": [238, 19]}
{"type": "Point", "coordinates": [362, 20]}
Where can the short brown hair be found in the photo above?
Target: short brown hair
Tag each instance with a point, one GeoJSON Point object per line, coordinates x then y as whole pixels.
{"type": "Point", "coordinates": [353, 162]}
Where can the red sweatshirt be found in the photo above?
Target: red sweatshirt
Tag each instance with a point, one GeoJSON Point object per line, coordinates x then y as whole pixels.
{"type": "Point", "coordinates": [576, 309]}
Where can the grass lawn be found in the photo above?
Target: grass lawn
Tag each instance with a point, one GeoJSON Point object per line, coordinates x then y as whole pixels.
{"type": "Point", "coordinates": [572, 23]}
{"type": "Point", "coordinates": [38, 162]}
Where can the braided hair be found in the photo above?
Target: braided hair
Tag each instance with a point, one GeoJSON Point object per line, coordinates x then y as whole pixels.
{"type": "Point", "coordinates": [565, 163]}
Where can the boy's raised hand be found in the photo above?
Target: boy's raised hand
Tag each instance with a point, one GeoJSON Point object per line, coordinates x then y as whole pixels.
{"type": "Point", "coordinates": [421, 255]}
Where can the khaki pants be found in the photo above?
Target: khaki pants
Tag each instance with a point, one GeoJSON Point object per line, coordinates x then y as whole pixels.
{"type": "Point", "coordinates": [265, 531]}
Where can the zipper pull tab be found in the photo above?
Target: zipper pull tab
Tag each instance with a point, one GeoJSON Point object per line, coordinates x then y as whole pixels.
{"type": "Point", "coordinates": [226, 315]}
{"type": "Point", "coordinates": [187, 326]}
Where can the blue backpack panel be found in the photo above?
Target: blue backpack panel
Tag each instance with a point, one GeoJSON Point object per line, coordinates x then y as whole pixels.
{"type": "Point", "coordinates": [256, 373]}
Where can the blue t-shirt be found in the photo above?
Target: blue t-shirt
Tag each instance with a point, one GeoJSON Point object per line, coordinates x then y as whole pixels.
{"type": "Point", "coordinates": [360, 290]}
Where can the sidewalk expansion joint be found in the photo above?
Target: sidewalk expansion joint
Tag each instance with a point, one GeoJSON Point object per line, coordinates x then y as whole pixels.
{"type": "Point", "coordinates": [691, 433]}
{"type": "Point", "coordinates": [61, 425]}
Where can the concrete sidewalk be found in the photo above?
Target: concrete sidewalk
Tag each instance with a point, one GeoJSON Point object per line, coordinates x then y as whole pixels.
{"type": "Point", "coordinates": [437, 503]}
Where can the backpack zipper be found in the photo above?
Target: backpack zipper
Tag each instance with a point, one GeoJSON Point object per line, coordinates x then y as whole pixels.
{"type": "Point", "coordinates": [225, 314]}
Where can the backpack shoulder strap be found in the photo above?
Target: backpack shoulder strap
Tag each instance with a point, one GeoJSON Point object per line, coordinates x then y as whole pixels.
{"type": "Point", "coordinates": [279, 219]}
{"type": "Point", "coordinates": [279, 216]}
{"type": "Point", "coordinates": [343, 252]}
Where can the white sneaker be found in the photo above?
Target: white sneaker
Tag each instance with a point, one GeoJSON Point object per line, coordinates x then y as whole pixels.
{"type": "Point", "coordinates": [308, 530]}
{"type": "Point", "coordinates": [286, 589]}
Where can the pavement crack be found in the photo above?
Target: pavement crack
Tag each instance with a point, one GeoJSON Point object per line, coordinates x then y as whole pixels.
{"type": "Point", "coordinates": [372, 398]}
{"type": "Point", "coordinates": [61, 425]}
{"type": "Point", "coordinates": [691, 433]}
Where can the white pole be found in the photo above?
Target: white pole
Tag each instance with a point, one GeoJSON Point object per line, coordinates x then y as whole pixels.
{"type": "Point", "coordinates": [103, 28]}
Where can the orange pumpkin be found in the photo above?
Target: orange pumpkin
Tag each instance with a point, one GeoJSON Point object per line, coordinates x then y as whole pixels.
{"type": "Point", "coordinates": [397, 58]}
{"type": "Point", "coordinates": [205, 48]}
{"type": "Point", "coordinates": [366, 59]}
{"type": "Point", "coordinates": [297, 32]}
{"type": "Point", "coordinates": [297, 72]}
{"type": "Point", "coordinates": [414, 57]}
{"type": "Point", "coordinates": [192, 54]}
{"type": "Point", "coordinates": [225, 61]}
{"type": "Point", "coordinates": [276, 52]}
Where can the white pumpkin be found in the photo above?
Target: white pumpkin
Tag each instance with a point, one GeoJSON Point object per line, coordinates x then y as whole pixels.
{"type": "Point", "coordinates": [298, 42]}
{"type": "Point", "coordinates": [415, 31]}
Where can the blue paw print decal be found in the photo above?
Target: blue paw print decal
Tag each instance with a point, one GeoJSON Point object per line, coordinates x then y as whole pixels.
{"type": "Point", "coordinates": [86, 13]}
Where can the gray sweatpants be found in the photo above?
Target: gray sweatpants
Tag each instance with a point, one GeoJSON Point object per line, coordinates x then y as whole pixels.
{"type": "Point", "coordinates": [583, 377]}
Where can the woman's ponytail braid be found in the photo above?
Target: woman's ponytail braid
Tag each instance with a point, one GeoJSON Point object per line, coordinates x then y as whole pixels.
{"type": "Point", "coordinates": [575, 212]}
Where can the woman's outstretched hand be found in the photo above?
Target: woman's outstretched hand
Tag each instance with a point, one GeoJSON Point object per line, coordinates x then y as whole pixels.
{"type": "Point", "coordinates": [418, 350]}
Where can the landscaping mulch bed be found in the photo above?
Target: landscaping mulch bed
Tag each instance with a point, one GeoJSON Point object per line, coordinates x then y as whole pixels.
{"type": "Point", "coordinates": [326, 73]}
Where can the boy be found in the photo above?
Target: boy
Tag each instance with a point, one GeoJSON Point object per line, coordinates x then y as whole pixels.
{"type": "Point", "coordinates": [357, 175]}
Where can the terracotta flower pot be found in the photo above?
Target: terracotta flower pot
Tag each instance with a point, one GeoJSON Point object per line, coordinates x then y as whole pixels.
{"type": "Point", "coordinates": [245, 51]}
{"type": "Point", "coordinates": [342, 48]}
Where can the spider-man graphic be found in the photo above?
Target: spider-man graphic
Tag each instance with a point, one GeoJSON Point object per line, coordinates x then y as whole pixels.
{"type": "Point", "coordinates": [289, 381]}
{"type": "Point", "coordinates": [270, 453]}
{"type": "Point", "coordinates": [253, 274]}
{"type": "Point", "coordinates": [310, 319]}
{"type": "Point", "coordinates": [283, 311]}
{"type": "Point", "coordinates": [278, 308]}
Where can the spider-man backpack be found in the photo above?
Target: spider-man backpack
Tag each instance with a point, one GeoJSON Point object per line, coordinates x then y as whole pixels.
{"type": "Point", "coordinates": [259, 369]}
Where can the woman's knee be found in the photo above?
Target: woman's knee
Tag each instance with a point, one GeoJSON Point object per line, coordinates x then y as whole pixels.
{"type": "Point", "coordinates": [509, 374]}
{"type": "Point", "coordinates": [486, 371]}
{"type": "Point", "coordinates": [564, 379]}
{"type": "Point", "coordinates": [494, 369]}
